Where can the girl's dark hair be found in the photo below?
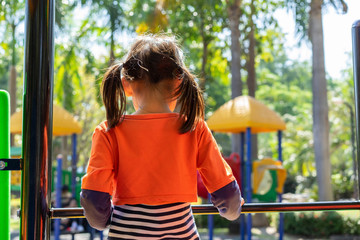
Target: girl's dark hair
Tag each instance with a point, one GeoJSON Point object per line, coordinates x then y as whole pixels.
{"type": "Point", "coordinates": [154, 59]}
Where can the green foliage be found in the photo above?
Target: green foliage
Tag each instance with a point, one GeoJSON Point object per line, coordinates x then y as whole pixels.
{"type": "Point", "coordinates": [314, 225]}
{"type": "Point", "coordinates": [224, 142]}
{"type": "Point", "coordinates": [4, 72]}
{"type": "Point", "coordinates": [63, 8]}
{"type": "Point", "coordinates": [320, 225]}
{"type": "Point", "coordinates": [255, 14]}
{"type": "Point", "coordinates": [341, 190]}
{"type": "Point", "coordinates": [290, 184]}
{"type": "Point", "coordinates": [219, 222]}
{"type": "Point", "coordinates": [351, 226]}
{"type": "Point", "coordinates": [111, 10]}
{"type": "Point", "coordinates": [292, 101]}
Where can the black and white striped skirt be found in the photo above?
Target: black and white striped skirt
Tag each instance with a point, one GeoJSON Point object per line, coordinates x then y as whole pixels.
{"type": "Point", "coordinates": [169, 221]}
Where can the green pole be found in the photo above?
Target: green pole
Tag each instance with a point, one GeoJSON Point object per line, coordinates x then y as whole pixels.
{"type": "Point", "coordinates": [4, 175]}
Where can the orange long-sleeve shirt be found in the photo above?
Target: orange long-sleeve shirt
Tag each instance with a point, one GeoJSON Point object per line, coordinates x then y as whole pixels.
{"type": "Point", "coordinates": [144, 160]}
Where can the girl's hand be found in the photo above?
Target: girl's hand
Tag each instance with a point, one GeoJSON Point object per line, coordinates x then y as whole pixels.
{"type": "Point", "coordinates": [242, 201]}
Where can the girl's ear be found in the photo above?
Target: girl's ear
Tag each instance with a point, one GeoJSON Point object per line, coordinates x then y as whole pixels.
{"type": "Point", "coordinates": [127, 87]}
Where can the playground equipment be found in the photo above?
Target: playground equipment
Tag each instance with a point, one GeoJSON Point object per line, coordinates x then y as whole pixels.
{"type": "Point", "coordinates": [268, 180]}
{"type": "Point", "coordinates": [242, 115]}
{"type": "Point", "coordinates": [4, 175]}
{"type": "Point", "coordinates": [63, 124]}
{"type": "Point", "coordinates": [37, 132]}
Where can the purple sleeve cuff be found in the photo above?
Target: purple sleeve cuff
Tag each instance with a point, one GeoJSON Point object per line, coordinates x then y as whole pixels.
{"type": "Point", "coordinates": [97, 208]}
{"type": "Point", "coordinates": [228, 201]}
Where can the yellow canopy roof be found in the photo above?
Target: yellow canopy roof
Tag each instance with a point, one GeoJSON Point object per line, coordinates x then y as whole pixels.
{"type": "Point", "coordinates": [242, 112]}
{"type": "Point", "coordinates": [63, 122]}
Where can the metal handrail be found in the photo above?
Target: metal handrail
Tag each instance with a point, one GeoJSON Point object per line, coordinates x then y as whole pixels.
{"type": "Point", "coordinates": [207, 209]}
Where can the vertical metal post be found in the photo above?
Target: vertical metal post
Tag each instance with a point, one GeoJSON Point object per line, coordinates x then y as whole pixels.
{"type": "Point", "coordinates": [210, 222]}
{"type": "Point", "coordinates": [248, 180]}
{"type": "Point", "coordinates": [242, 171]}
{"type": "Point", "coordinates": [58, 194]}
{"type": "Point", "coordinates": [37, 119]}
{"type": "Point", "coordinates": [242, 161]}
{"type": "Point", "coordinates": [73, 165]}
{"type": "Point", "coordinates": [4, 175]}
{"type": "Point", "coordinates": [356, 69]}
{"type": "Point", "coordinates": [281, 215]}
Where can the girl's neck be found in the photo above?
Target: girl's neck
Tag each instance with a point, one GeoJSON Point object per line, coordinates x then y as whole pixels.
{"type": "Point", "coordinates": [151, 111]}
{"type": "Point", "coordinates": [150, 104]}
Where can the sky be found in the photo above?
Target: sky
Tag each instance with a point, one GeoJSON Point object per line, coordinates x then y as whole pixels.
{"type": "Point", "coordinates": [337, 37]}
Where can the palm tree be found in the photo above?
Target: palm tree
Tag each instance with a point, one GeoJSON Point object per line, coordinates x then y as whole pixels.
{"type": "Point", "coordinates": [310, 23]}
{"type": "Point", "coordinates": [115, 18]}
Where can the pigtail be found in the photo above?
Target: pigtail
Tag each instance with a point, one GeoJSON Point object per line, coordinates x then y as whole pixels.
{"type": "Point", "coordinates": [191, 102]}
{"type": "Point", "coordinates": [113, 93]}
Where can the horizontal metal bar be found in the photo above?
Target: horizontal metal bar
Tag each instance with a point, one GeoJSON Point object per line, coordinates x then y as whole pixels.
{"type": "Point", "coordinates": [207, 209]}
{"type": "Point", "coordinates": [9, 164]}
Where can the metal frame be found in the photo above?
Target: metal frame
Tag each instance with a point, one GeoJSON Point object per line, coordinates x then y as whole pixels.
{"type": "Point", "coordinates": [247, 208]}
{"type": "Point", "coordinates": [37, 119]}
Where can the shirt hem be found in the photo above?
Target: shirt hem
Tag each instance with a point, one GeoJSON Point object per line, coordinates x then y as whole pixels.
{"type": "Point", "coordinates": [155, 200]}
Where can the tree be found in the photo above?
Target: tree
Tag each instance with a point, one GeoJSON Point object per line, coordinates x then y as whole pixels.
{"type": "Point", "coordinates": [192, 21]}
{"type": "Point", "coordinates": [308, 17]}
{"type": "Point", "coordinates": [12, 14]}
{"type": "Point", "coordinates": [115, 19]}
{"type": "Point", "coordinates": [258, 38]}
{"type": "Point", "coordinates": [234, 13]}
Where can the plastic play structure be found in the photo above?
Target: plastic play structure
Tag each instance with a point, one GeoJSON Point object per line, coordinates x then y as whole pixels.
{"type": "Point", "coordinates": [37, 128]}
{"type": "Point", "coordinates": [268, 180]}
{"type": "Point", "coordinates": [246, 115]}
{"type": "Point", "coordinates": [4, 175]}
{"type": "Point", "coordinates": [64, 123]}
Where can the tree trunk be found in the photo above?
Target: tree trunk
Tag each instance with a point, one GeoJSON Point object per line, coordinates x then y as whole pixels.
{"type": "Point", "coordinates": [112, 46]}
{"type": "Point", "coordinates": [251, 78]}
{"type": "Point", "coordinates": [12, 80]}
{"type": "Point", "coordinates": [12, 89]}
{"type": "Point", "coordinates": [234, 12]}
{"type": "Point", "coordinates": [320, 104]}
{"type": "Point", "coordinates": [204, 60]}
{"type": "Point", "coordinates": [112, 41]}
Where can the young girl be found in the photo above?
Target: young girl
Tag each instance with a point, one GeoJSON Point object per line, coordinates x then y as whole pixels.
{"type": "Point", "coordinates": [142, 175]}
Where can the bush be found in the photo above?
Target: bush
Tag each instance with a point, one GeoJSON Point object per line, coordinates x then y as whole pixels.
{"type": "Point", "coordinates": [314, 225]}
{"type": "Point", "coordinates": [341, 190]}
{"type": "Point", "coordinates": [351, 226]}
{"type": "Point", "coordinates": [219, 222]}
{"type": "Point", "coordinates": [290, 184]}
